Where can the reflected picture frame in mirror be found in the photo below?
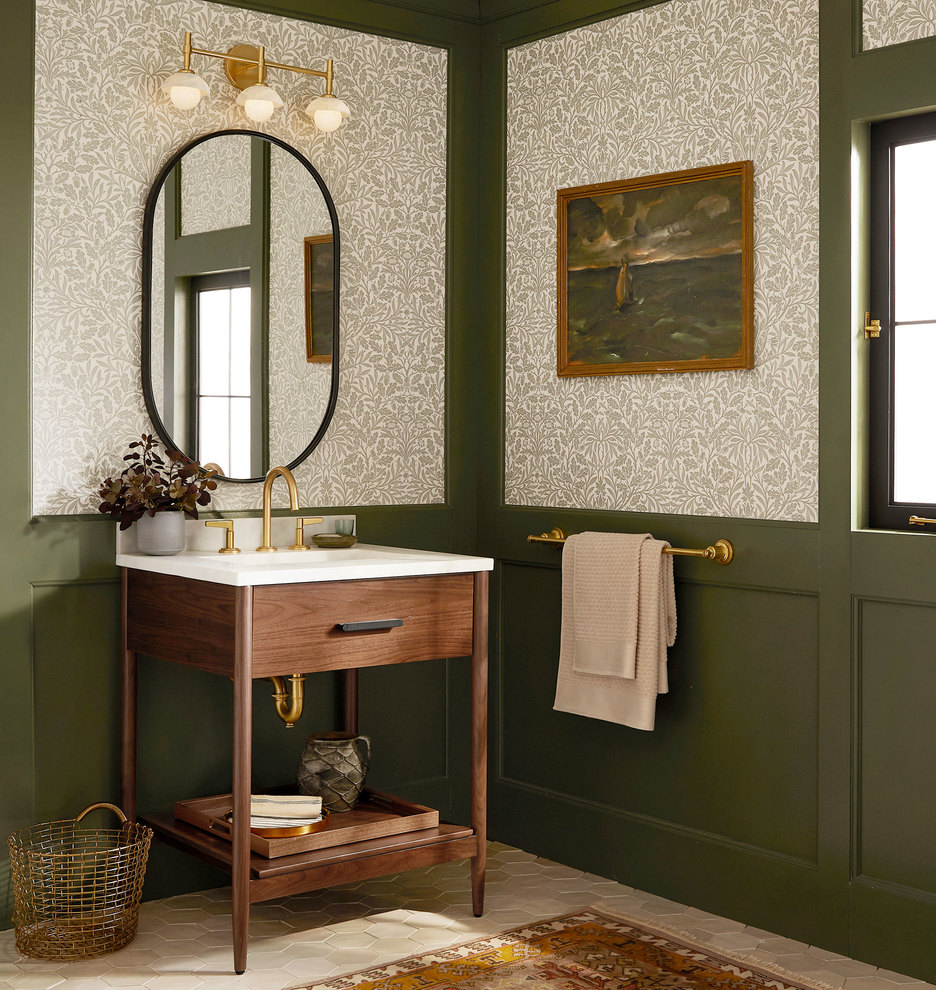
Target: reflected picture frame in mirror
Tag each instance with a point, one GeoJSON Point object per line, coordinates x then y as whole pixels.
{"type": "Point", "coordinates": [319, 256]}
{"type": "Point", "coordinates": [167, 388]}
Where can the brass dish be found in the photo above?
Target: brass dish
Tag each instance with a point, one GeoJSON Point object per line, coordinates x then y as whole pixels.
{"type": "Point", "coordinates": [287, 832]}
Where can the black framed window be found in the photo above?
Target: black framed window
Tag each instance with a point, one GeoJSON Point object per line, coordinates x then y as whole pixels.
{"type": "Point", "coordinates": [902, 409]}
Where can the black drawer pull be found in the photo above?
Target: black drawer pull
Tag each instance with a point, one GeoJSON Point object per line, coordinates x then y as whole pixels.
{"type": "Point", "coordinates": [372, 624]}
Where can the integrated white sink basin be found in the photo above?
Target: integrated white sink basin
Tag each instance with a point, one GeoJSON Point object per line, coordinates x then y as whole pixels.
{"type": "Point", "coordinates": [300, 566]}
{"type": "Point", "coordinates": [314, 555]}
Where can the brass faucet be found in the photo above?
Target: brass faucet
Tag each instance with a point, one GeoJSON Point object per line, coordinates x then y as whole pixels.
{"type": "Point", "coordinates": [266, 546]}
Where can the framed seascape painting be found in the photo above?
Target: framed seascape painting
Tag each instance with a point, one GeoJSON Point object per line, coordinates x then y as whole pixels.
{"type": "Point", "coordinates": [656, 273]}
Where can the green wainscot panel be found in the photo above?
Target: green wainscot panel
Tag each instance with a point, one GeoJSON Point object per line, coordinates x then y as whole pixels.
{"type": "Point", "coordinates": [893, 930]}
{"type": "Point", "coordinates": [76, 676]}
{"type": "Point", "coordinates": [896, 744]}
{"type": "Point", "coordinates": [728, 879]}
{"type": "Point", "coordinates": [733, 755]}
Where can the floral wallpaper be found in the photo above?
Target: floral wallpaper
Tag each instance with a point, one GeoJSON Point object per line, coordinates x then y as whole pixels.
{"type": "Point", "coordinates": [678, 85]}
{"type": "Point", "coordinates": [216, 186]}
{"type": "Point", "coordinates": [103, 129]}
{"type": "Point", "coordinates": [300, 395]}
{"type": "Point", "coordinates": [889, 22]}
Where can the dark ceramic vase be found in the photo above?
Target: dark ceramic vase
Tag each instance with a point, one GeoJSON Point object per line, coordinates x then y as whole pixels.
{"type": "Point", "coordinates": [334, 765]}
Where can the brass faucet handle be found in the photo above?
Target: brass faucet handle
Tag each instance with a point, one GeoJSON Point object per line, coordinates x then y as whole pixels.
{"type": "Point", "coordinates": [301, 522]}
{"type": "Point", "coordinates": [228, 526]}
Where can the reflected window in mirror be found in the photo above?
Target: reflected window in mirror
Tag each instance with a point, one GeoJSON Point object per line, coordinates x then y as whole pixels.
{"type": "Point", "coordinates": [227, 404]}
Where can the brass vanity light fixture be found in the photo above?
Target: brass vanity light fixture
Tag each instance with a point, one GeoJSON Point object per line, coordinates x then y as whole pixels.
{"type": "Point", "coordinates": [245, 67]}
{"type": "Point", "coordinates": [288, 698]}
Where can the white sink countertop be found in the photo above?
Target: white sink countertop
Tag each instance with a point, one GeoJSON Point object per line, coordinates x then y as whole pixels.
{"type": "Point", "coordinates": [297, 566]}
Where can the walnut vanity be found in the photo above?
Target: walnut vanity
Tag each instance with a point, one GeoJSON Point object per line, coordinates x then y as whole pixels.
{"type": "Point", "coordinates": [266, 615]}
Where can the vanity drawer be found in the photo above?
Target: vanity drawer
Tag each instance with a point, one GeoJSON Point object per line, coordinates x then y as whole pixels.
{"type": "Point", "coordinates": [296, 627]}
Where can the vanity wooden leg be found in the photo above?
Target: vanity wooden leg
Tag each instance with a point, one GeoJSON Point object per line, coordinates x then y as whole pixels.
{"type": "Point", "coordinates": [479, 692]}
{"type": "Point", "coordinates": [350, 692]}
{"type": "Point", "coordinates": [128, 711]}
{"type": "Point", "coordinates": [240, 865]}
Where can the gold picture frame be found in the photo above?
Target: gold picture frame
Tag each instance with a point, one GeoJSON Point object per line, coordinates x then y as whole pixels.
{"type": "Point", "coordinates": [656, 274]}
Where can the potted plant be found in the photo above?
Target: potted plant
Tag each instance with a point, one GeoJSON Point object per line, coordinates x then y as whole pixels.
{"type": "Point", "coordinates": [156, 495]}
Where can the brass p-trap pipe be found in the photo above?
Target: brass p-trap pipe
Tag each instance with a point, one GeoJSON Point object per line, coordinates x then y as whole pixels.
{"type": "Point", "coordinates": [288, 699]}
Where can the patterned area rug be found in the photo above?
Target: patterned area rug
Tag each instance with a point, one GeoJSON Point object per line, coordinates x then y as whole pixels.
{"type": "Point", "coordinates": [583, 951]}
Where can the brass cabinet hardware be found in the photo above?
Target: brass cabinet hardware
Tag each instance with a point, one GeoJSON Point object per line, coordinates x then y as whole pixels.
{"type": "Point", "coordinates": [301, 522]}
{"type": "Point", "coordinates": [920, 521]}
{"type": "Point", "coordinates": [721, 551]}
{"type": "Point", "coordinates": [872, 327]}
{"type": "Point", "coordinates": [228, 526]}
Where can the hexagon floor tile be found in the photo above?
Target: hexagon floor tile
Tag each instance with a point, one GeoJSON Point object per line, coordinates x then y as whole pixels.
{"type": "Point", "coordinates": [183, 943]}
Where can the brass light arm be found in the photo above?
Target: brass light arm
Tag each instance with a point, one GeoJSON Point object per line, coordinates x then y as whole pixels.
{"type": "Point", "coordinates": [288, 699]}
{"type": "Point", "coordinates": [328, 73]}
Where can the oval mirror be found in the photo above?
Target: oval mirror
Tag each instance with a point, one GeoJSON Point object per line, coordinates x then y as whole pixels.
{"type": "Point", "coordinates": [240, 304]}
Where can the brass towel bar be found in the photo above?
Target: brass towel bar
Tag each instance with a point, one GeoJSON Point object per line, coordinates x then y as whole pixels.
{"type": "Point", "coordinates": [722, 551]}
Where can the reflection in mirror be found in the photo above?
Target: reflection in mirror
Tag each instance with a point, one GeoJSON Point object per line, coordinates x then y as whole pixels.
{"type": "Point", "coordinates": [240, 304]}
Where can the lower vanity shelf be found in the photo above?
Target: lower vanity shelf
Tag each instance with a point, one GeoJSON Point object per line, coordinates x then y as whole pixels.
{"type": "Point", "coordinates": [318, 868]}
{"type": "Point", "coordinates": [374, 816]}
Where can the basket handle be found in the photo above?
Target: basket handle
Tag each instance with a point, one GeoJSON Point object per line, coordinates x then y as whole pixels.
{"type": "Point", "coordinates": [103, 804]}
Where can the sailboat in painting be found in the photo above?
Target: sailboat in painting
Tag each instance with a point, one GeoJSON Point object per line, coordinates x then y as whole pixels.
{"type": "Point", "coordinates": [624, 290]}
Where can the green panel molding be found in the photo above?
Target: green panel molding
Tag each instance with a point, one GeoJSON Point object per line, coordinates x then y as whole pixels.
{"type": "Point", "coordinates": [733, 754]}
{"type": "Point", "coordinates": [895, 736]}
{"type": "Point", "coordinates": [705, 834]}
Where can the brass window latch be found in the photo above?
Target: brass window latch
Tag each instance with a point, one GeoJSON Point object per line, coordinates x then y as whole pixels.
{"type": "Point", "coordinates": [872, 327]}
{"type": "Point", "coordinates": [920, 520]}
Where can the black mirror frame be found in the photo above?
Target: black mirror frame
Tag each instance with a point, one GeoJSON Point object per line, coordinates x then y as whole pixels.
{"type": "Point", "coordinates": [146, 334]}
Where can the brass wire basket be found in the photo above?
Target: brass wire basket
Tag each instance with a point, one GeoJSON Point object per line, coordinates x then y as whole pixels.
{"type": "Point", "coordinates": [76, 890]}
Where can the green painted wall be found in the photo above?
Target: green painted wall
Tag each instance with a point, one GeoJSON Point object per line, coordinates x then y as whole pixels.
{"type": "Point", "coordinates": [790, 784]}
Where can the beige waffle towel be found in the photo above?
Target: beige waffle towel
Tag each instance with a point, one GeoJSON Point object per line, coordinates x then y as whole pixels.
{"type": "Point", "coordinates": [605, 578]}
{"type": "Point", "coordinates": [627, 701]}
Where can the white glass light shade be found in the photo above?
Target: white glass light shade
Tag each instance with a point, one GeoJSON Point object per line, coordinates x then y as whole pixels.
{"type": "Point", "coordinates": [259, 102]}
{"type": "Point", "coordinates": [185, 89]}
{"type": "Point", "coordinates": [328, 112]}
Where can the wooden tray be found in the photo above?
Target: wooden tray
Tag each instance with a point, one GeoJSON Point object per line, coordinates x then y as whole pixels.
{"type": "Point", "coordinates": [375, 815]}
